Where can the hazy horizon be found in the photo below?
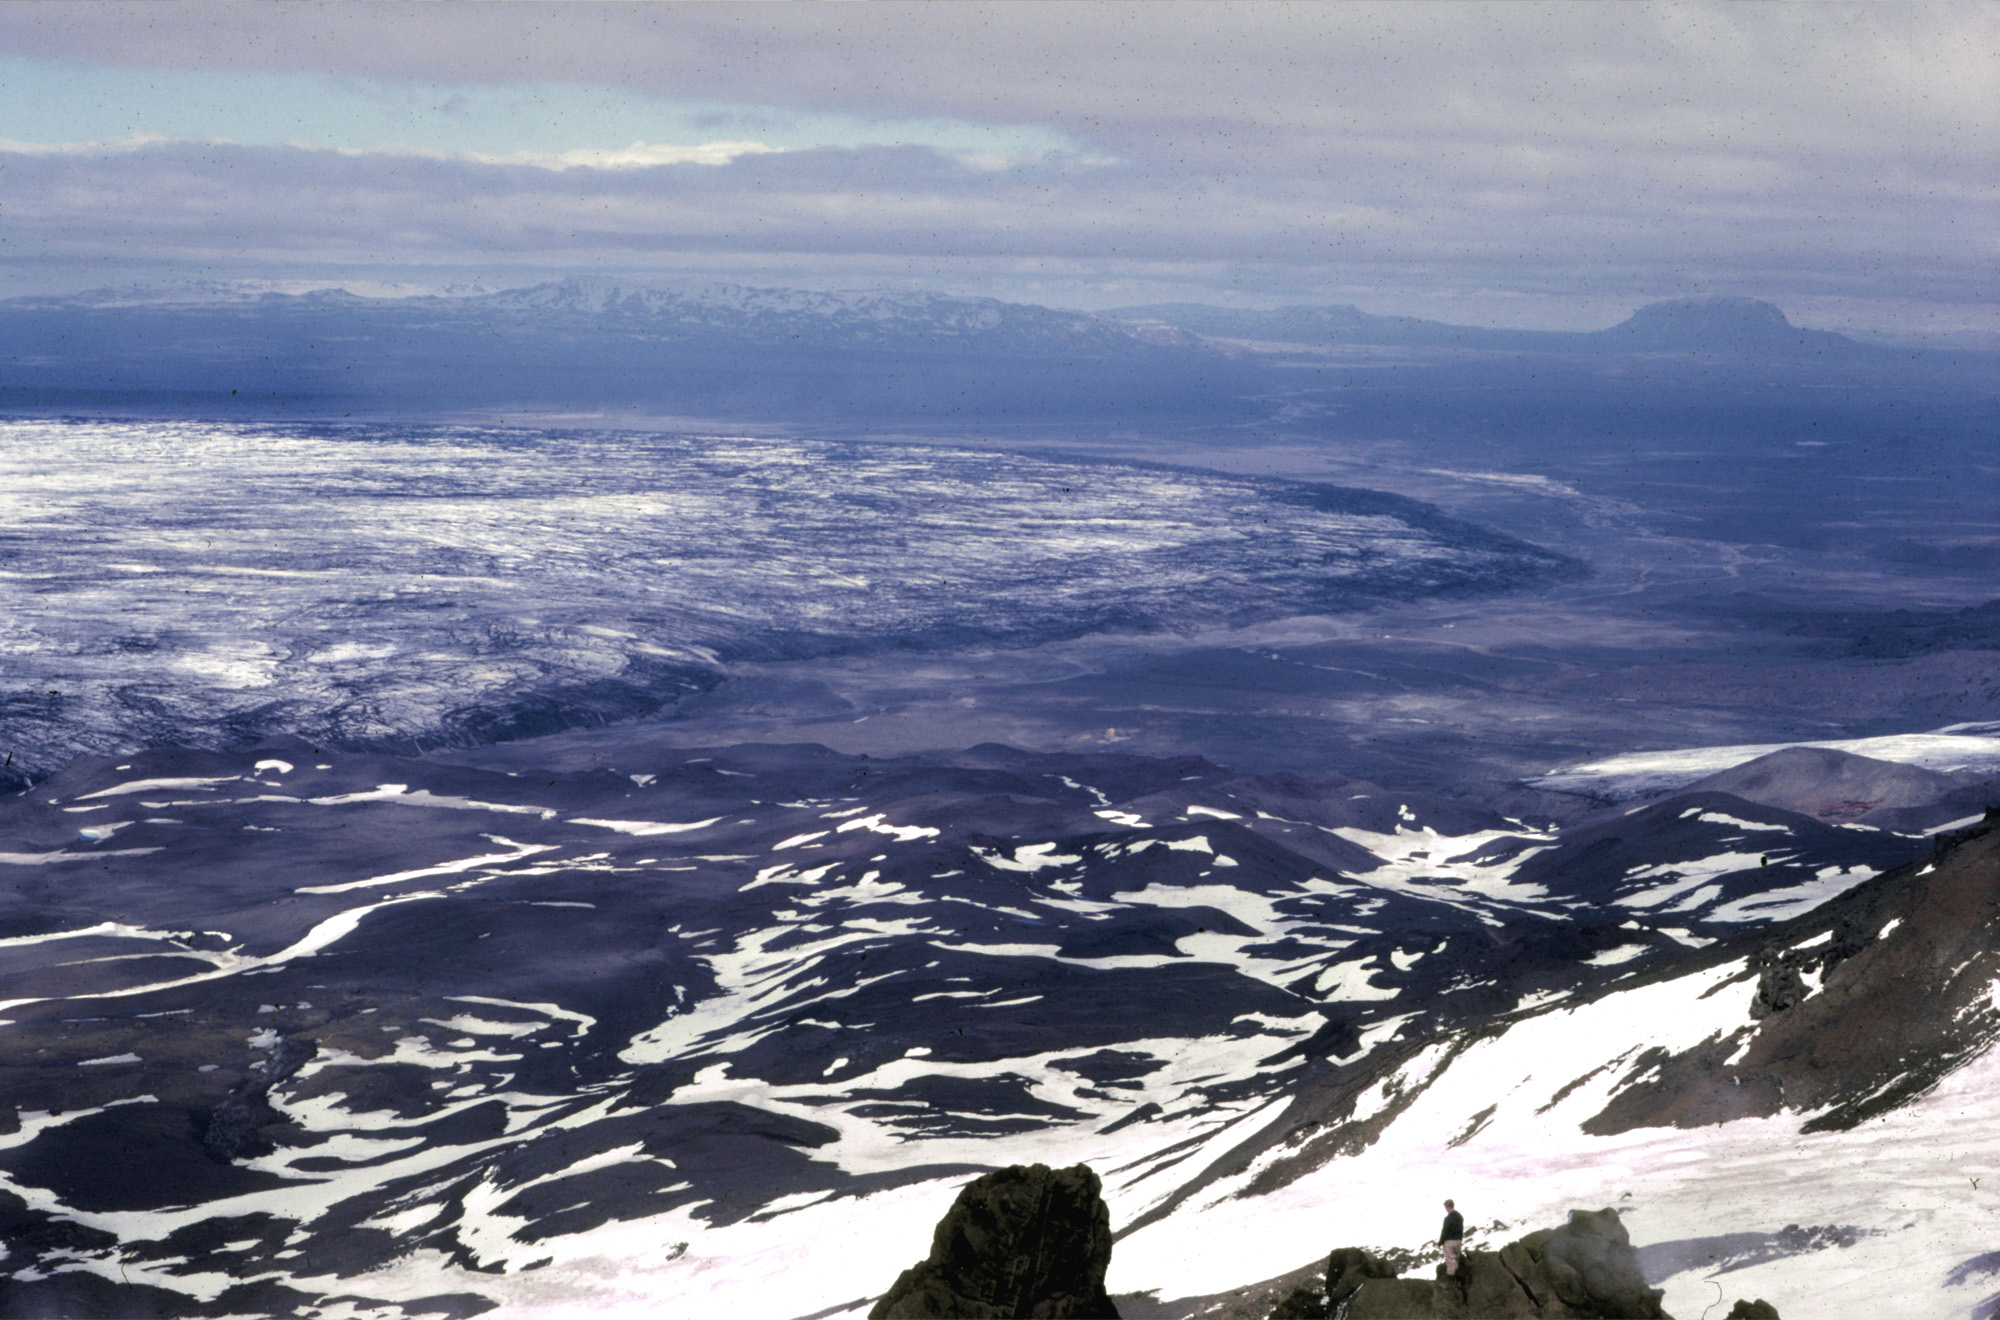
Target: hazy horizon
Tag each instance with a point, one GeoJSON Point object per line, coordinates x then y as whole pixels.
{"type": "Point", "coordinates": [195, 287]}
{"type": "Point", "coordinates": [1518, 166]}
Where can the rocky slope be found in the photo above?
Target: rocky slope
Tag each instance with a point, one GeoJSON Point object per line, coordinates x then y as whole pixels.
{"type": "Point", "coordinates": [1862, 1004]}
{"type": "Point", "coordinates": [1791, 1110]}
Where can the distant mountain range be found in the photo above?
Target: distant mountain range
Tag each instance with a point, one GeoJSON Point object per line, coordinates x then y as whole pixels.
{"type": "Point", "coordinates": [713, 349]}
{"type": "Point", "coordinates": [732, 351]}
{"type": "Point", "coordinates": [905, 321]}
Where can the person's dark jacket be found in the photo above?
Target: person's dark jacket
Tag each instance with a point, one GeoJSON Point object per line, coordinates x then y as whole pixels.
{"type": "Point", "coordinates": [1454, 1228]}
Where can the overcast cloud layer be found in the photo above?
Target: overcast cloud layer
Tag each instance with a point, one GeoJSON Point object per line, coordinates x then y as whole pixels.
{"type": "Point", "coordinates": [1523, 164]}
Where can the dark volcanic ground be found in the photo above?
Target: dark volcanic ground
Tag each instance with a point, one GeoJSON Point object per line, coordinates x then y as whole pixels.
{"type": "Point", "coordinates": [281, 1017]}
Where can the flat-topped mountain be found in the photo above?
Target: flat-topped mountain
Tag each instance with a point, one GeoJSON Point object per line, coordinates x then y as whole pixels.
{"type": "Point", "coordinates": [1739, 324]}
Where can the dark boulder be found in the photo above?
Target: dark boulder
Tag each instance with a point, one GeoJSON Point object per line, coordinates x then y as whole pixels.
{"type": "Point", "coordinates": [1757, 1310]}
{"type": "Point", "coordinates": [1026, 1241]}
{"type": "Point", "coordinates": [1392, 1299]}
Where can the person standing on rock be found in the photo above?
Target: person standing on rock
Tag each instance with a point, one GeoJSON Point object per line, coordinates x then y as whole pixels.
{"type": "Point", "coordinates": [1452, 1239]}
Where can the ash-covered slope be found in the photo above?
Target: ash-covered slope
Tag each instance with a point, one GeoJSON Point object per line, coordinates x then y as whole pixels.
{"type": "Point", "coordinates": [1705, 862]}
{"type": "Point", "coordinates": [289, 1025]}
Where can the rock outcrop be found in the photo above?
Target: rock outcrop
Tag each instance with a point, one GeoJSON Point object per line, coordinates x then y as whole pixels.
{"type": "Point", "coordinates": [1757, 1310]}
{"type": "Point", "coordinates": [1026, 1241]}
{"type": "Point", "coordinates": [1348, 1268]}
{"type": "Point", "coordinates": [1586, 1268]}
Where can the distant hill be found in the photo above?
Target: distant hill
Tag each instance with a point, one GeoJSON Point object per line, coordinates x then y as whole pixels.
{"type": "Point", "coordinates": [1735, 325]}
{"type": "Point", "coordinates": [1840, 786]}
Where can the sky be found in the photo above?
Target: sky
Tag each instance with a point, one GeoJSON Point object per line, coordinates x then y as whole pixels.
{"type": "Point", "coordinates": [1516, 164]}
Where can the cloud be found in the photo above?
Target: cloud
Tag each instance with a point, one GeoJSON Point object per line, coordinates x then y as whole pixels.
{"type": "Point", "coordinates": [1472, 220]}
{"type": "Point", "coordinates": [1791, 77]}
{"type": "Point", "coordinates": [11, 147]}
{"type": "Point", "coordinates": [638, 156]}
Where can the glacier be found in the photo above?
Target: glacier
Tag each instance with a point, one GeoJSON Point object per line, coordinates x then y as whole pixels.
{"type": "Point", "coordinates": [385, 586]}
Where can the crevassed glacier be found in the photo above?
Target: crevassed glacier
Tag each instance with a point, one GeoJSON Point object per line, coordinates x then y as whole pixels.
{"type": "Point", "coordinates": [370, 584]}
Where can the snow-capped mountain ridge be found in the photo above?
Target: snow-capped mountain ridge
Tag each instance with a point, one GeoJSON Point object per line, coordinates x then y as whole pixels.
{"type": "Point", "coordinates": [713, 304]}
{"type": "Point", "coordinates": [1968, 753]}
{"type": "Point", "coordinates": [856, 317]}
